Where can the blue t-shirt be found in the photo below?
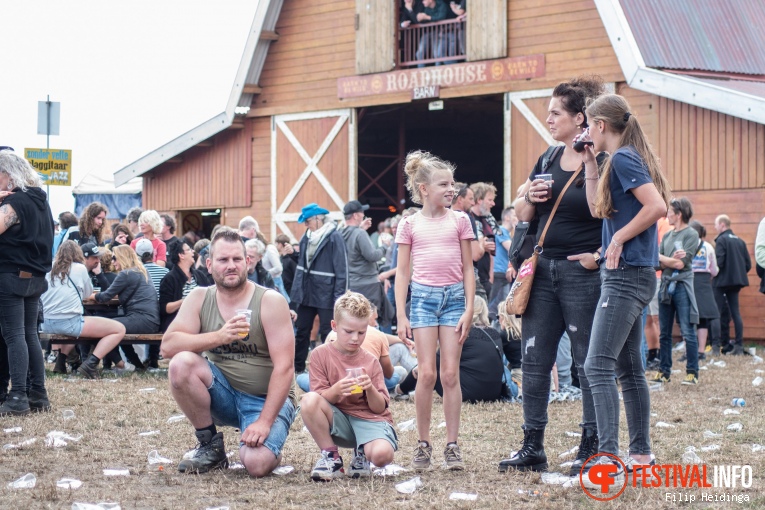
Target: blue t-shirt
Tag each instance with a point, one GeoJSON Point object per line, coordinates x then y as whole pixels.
{"type": "Point", "coordinates": [500, 255]}
{"type": "Point", "coordinates": [628, 172]}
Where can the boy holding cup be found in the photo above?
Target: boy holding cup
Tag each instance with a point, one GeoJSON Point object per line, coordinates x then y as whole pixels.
{"type": "Point", "coordinates": [335, 412]}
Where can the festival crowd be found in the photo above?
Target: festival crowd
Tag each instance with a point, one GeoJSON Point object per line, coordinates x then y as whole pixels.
{"type": "Point", "coordinates": [440, 297]}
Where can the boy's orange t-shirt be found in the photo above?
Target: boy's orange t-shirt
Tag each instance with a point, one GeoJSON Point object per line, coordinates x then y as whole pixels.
{"type": "Point", "coordinates": [375, 342]}
{"type": "Point", "coordinates": [328, 366]}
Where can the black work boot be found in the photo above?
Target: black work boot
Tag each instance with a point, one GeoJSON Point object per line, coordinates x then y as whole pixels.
{"type": "Point", "coordinates": [531, 456]}
{"type": "Point", "coordinates": [17, 404]}
{"type": "Point", "coordinates": [60, 367]}
{"type": "Point", "coordinates": [209, 454]}
{"type": "Point", "coordinates": [588, 447]}
{"type": "Point", "coordinates": [738, 350]}
{"type": "Point", "coordinates": [38, 401]}
{"type": "Point", "coordinates": [89, 369]}
{"type": "Point", "coordinates": [73, 359]}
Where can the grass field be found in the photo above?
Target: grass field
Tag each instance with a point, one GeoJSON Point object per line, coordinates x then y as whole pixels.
{"type": "Point", "coordinates": [111, 413]}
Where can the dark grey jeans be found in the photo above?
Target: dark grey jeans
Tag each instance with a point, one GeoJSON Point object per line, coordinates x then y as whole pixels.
{"type": "Point", "coordinates": [617, 333]}
{"type": "Point", "coordinates": [19, 304]}
{"type": "Point", "coordinates": [563, 298]}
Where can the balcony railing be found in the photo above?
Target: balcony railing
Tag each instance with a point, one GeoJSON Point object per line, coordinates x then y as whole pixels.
{"type": "Point", "coordinates": [439, 42]}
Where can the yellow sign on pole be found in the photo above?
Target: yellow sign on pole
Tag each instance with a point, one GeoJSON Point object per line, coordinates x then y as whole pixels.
{"type": "Point", "coordinates": [53, 165]}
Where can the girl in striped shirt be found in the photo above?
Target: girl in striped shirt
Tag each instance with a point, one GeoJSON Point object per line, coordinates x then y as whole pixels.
{"type": "Point", "coordinates": [434, 247]}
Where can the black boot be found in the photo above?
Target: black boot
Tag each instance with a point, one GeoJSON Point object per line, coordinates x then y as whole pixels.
{"type": "Point", "coordinates": [133, 358]}
{"type": "Point", "coordinates": [73, 359]}
{"type": "Point", "coordinates": [209, 454]}
{"type": "Point", "coordinates": [38, 401]}
{"type": "Point", "coordinates": [531, 456]}
{"type": "Point", "coordinates": [738, 350]}
{"type": "Point", "coordinates": [17, 404]}
{"type": "Point", "coordinates": [60, 367]}
{"type": "Point", "coordinates": [588, 447]}
{"type": "Point", "coordinates": [89, 369]}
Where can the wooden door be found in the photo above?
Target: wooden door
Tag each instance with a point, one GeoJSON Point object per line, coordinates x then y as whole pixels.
{"type": "Point", "coordinates": [486, 30]}
{"type": "Point", "coordinates": [375, 36]}
{"type": "Point", "coordinates": [313, 159]}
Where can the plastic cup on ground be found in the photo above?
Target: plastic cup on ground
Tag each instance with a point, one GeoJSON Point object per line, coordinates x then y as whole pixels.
{"type": "Point", "coordinates": [355, 373]}
{"type": "Point", "coordinates": [247, 314]}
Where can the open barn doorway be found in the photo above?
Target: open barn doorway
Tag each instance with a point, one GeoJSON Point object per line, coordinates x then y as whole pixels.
{"type": "Point", "coordinates": [468, 131]}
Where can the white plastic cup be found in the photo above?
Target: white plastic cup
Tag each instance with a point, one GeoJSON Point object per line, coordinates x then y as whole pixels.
{"type": "Point", "coordinates": [247, 314]}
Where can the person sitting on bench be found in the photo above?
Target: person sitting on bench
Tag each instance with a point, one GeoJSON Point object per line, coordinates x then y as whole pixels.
{"type": "Point", "coordinates": [68, 282]}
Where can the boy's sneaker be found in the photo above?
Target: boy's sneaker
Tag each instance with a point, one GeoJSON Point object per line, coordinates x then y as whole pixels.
{"type": "Point", "coordinates": [453, 457]}
{"type": "Point", "coordinates": [327, 468]}
{"type": "Point", "coordinates": [209, 454]}
{"type": "Point", "coordinates": [690, 379]}
{"type": "Point", "coordinates": [422, 455]}
{"type": "Point", "coordinates": [617, 477]}
{"type": "Point", "coordinates": [359, 465]}
{"type": "Point", "coordinates": [660, 378]}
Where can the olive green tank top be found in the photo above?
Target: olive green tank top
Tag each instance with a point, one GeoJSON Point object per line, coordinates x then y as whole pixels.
{"type": "Point", "coordinates": [245, 363]}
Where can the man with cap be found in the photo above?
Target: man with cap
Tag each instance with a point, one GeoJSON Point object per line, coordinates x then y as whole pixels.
{"type": "Point", "coordinates": [145, 251]}
{"type": "Point", "coordinates": [92, 254]}
{"type": "Point", "coordinates": [320, 278]}
{"type": "Point", "coordinates": [363, 258]}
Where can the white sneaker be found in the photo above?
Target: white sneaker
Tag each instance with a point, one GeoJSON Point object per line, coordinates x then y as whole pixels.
{"type": "Point", "coordinates": [617, 477]}
{"type": "Point", "coordinates": [359, 465]}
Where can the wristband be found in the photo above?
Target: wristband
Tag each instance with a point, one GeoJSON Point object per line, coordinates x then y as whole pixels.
{"type": "Point", "coordinates": [527, 199]}
{"type": "Point", "coordinates": [616, 243]}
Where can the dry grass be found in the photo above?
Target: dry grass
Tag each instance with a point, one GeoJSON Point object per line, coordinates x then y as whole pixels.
{"type": "Point", "coordinates": [111, 414]}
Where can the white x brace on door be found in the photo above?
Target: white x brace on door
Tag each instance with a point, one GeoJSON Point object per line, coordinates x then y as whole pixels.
{"type": "Point", "coordinates": [313, 159]}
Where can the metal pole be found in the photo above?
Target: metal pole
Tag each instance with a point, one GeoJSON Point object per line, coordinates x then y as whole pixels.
{"type": "Point", "coordinates": [47, 141]}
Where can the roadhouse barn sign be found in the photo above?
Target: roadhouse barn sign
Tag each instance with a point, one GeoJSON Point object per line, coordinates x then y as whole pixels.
{"type": "Point", "coordinates": [455, 75]}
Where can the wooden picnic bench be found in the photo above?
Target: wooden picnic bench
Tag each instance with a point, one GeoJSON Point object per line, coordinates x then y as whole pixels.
{"type": "Point", "coordinates": [130, 339]}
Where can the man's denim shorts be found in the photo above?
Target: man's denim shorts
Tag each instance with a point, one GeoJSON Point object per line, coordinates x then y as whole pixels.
{"type": "Point", "coordinates": [436, 306]}
{"type": "Point", "coordinates": [236, 409]}
{"type": "Point", "coordinates": [71, 327]}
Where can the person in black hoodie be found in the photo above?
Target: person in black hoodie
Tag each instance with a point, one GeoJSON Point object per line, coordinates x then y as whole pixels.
{"type": "Point", "coordinates": [734, 262]}
{"type": "Point", "coordinates": [178, 283]}
{"type": "Point", "coordinates": [26, 234]}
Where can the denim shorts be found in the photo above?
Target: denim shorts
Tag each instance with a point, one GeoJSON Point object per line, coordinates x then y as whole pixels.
{"type": "Point", "coordinates": [70, 327]}
{"type": "Point", "coordinates": [436, 306]}
{"type": "Point", "coordinates": [236, 409]}
{"type": "Point", "coordinates": [351, 432]}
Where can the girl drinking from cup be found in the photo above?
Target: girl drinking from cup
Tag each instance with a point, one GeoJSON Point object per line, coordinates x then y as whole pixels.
{"type": "Point", "coordinates": [436, 243]}
{"type": "Point", "coordinates": [630, 194]}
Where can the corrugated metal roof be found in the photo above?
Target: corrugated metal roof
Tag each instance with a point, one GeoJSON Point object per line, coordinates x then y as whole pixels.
{"type": "Point", "coordinates": [754, 88]}
{"type": "Point", "coordinates": [710, 35]}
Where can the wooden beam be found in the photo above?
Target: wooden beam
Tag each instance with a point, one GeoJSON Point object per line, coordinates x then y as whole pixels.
{"type": "Point", "coordinates": [251, 88]}
{"type": "Point", "coordinates": [269, 35]}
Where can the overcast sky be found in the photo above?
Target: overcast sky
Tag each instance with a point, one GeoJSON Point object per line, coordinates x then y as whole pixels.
{"type": "Point", "coordinates": [130, 76]}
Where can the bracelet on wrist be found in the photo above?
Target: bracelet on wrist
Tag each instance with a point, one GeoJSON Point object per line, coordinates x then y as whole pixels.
{"type": "Point", "coordinates": [591, 178]}
{"type": "Point", "coordinates": [616, 243]}
{"type": "Point", "coordinates": [527, 199]}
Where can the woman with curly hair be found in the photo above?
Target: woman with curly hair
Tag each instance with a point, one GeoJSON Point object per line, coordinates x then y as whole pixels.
{"type": "Point", "coordinates": [68, 282]}
{"type": "Point", "coordinates": [91, 226]}
{"type": "Point", "coordinates": [150, 224]}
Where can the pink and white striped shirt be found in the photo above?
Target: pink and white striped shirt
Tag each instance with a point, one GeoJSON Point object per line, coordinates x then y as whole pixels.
{"type": "Point", "coordinates": [435, 242]}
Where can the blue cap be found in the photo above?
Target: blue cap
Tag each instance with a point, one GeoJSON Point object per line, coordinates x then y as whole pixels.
{"type": "Point", "coordinates": [310, 211]}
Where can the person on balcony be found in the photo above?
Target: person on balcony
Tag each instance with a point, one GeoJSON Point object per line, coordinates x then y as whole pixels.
{"type": "Point", "coordinates": [433, 43]}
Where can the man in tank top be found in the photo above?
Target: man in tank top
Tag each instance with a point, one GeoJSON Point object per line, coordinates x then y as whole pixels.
{"type": "Point", "coordinates": [226, 372]}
